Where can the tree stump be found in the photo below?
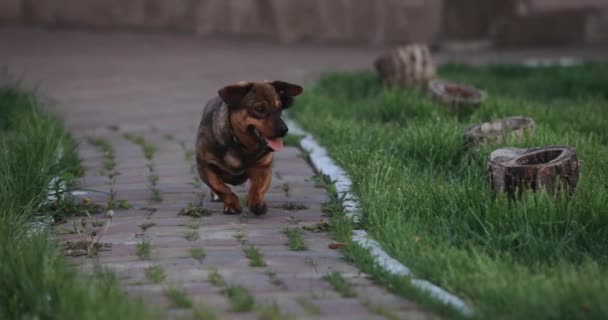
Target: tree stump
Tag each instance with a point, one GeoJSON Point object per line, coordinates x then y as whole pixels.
{"type": "Point", "coordinates": [500, 130]}
{"type": "Point", "coordinates": [457, 97]}
{"type": "Point", "coordinates": [407, 66]}
{"type": "Point", "coordinates": [552, 168]}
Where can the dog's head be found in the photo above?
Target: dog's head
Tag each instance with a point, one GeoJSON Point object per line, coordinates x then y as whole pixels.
{"type": "Point", "coordinates": [256, 108]}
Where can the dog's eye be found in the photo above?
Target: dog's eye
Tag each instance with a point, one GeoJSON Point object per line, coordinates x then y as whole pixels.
{"type": "Point", "coordinates": [260, 109]}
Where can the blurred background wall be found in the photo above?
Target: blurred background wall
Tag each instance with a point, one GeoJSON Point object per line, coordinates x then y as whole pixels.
{"type": "Point", "coordinates": [499, 23]}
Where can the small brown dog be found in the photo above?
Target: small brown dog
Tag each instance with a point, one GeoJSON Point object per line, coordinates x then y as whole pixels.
{"type": "Point", "coordinates": [238, 132]}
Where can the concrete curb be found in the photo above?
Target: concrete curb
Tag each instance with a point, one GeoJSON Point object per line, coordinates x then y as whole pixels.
{"type": "Point", "coordinates": [323, 163]}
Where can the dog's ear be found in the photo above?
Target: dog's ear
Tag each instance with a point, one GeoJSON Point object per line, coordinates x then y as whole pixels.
{"type": "Point", "coordinates": [286, 92]}
{"type": "Point", "coordinates": [234, 94]}
{"type": "Point", "coordinates": [289, 89]}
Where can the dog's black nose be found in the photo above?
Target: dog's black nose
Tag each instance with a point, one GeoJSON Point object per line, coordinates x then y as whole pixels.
{"type": "Point", "coordinates": [283, 128]}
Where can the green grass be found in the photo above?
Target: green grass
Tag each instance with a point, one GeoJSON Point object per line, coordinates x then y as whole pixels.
{"type": "Point", "coordinates": [274, 279]}
{"type": "Point", "coordinates": [35, 281]}
{"type": "Point", "coordinates": [295, 242]}
{"type": "Point", "coordinates": [194, 225]}
{"type": "Point", "coordinates": [191, 235]}
{"type": "Point", "coordinates": [203, 313]}
{"type": "Point", "coordinates": [194, 211]}
{"type": "Point", "coordinates": [340, 284]}
{"type": "Point", "coordinates": [292, 206]}
{"type": "Point", "coordinates": [240, 235]}
{"type": "Point", "coordinates": [272, 312]}
{"type": "Point", "coordinates": [124, 204]}
{"type": "Point", "coordinates": [309, 307]}
{"type": "Point", "coordinates": [146, 225]}
{"type": "Point", "coordinates": [256, 258]}
{"type": "Point", "coordinates": [425, 198]}
{"type": "Point", "coordinates": [198, 254]}
{"type": "Point", "coordinates": [240, 299]}
{"type": "Point", "coordinates": [144, 249]}
{"type": "Point", "coordinates": [216, 279]}
{"type": "Point", "coordinates": [68, 206]}
{"type": "Point", "coordinates": [178, 297]}
{"type": "Point", "coordinates": [381, 310]}
{"type": "Point", "coordinates": [109, 168]}
{"type": "Point", "coordinates": [148, 149]}
{"type": "Point", "coordinates": [292, 140]}
{"type": "Point", "coordinates": [189, 155]}
{"type": "Point", "coordinates": [156, 274]}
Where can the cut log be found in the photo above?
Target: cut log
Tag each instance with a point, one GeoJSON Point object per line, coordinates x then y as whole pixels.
{"type": "Point", "coordinates": [457, 97]}
{"type": "Point", "coordinates": [407, 66]}
{"type": "Point", "coordinates": [500, 130]}
{"type": "Point", "coordinates": [552, 168]}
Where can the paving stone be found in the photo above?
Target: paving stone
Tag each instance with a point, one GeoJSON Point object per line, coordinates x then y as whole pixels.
{"type": "Point", "coordinates": [11, 11]}
{"type": "Point", "coordinates": [137, 88]}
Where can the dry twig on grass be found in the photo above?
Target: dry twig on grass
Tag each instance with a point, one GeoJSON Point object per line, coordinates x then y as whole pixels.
{"type": "Point", "coordinates": [89, 243]}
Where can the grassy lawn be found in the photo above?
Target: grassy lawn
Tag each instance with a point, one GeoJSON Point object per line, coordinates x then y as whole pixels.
{"type": "Point", "coordinates": [426, 200]}
{"type": "Point", "coordinates": [35, 282]}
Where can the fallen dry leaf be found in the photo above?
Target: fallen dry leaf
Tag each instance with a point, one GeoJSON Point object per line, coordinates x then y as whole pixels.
{"type": "Point", "coordinates": [336, 245]}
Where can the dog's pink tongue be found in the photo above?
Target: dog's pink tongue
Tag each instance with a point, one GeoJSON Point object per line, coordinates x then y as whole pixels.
{"type": "Point", "coordinates": [275, 144]}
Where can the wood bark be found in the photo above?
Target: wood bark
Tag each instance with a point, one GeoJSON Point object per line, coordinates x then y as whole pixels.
{"type": "Point", "coordinates": [406, 66]}
{"type": "Point", "coordinates": [455, 96]}
{"type": "Point", "coordinates": [552, 168]}
{"type": "Point", "coordinates": [500, 130]}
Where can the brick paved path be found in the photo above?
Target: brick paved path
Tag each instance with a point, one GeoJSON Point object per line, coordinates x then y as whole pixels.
{"type": "Point", "coordinates": [154, 87]}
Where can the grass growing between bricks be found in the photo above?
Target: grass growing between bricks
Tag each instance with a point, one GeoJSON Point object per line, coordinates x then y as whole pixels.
{"type": "Point", "coordinates": [36, 282]}
{"type": "Point", "coordinates": [156, 274]}
{"type": "Point", "coordinates": [194, 211]}
{"type": "Point", "coordinates": [273, 278]}
{"type": "Point", "coordinates": [340, 284]}
{"type": "Point", "coordinates": [109, 170]}
{"type": "Point", "coordinates": [425, 198]}
{"type": "Point", "coordinates": [146, 225]}
{"type": "Point", "coordinates": [201, 313]}
{"type": "Point", "coordinates": [144, 249]}
{"type": "Point", "coordinates": [191, 235]}
{"type": "Point", "coordinates": [189, 155]}
{"type": "Point", "coordinates": [309, 307]}
{"type": "Point", "coordinates": [255, 256]}
{"type": "Point", "coordinates": [216, 279]}
{"type": "Point", "coordinates": [240, 299]}
{"type": "Point", "coordinates": [292, 206]}
{"type": "Point", "coordinates": [272, 312]}
{"type": "Point", "coordinates": [148, 150]}
{"type": "Point", "coordinates": [383, 311]}
{"type": "Point", "coordinates": [295, 241]}
{"type": "Point", "coordinates": [198, 254]}
{"type": "Point", "coordinates": [178, 297]}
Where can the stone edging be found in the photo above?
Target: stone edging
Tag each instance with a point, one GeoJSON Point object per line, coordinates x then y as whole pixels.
{"type": "Point", "coordinates": [323, 163]}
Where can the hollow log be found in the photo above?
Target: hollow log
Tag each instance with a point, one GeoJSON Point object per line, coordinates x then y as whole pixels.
{"type": "Point", "coordinates": [552, 168]}
{"type": "Point", "coordinates": [500, 130]}
{"type": "Point", "coordinates": [456, 96]}
{"type": "Point", "coordinates": [407, 66]}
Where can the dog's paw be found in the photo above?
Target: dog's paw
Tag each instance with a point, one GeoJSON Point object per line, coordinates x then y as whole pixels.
{"type": "Point", "coordinates": [228, 210]}
{"type": "Point", "coordinates": [232, 204]}
{"type": "Point", "coordinates": [259, 209]}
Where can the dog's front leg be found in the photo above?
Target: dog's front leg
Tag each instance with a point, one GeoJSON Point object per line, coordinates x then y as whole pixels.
{"type": "Point", "coordinates": [232, 204]}
{"type": "Point", "coordinates": [261, 177]}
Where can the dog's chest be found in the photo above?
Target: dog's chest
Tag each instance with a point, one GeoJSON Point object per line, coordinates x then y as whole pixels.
{"type": "Point", "coordinates": [233, 162]}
